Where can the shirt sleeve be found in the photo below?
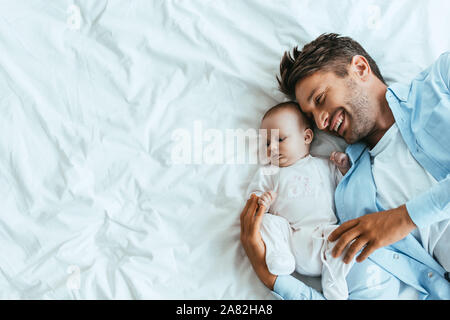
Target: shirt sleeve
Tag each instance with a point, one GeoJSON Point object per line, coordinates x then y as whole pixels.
{"type": "Point", "coordinates": [262, 181]}
{"type": "Point", "coordinates": [434, 204]}
{"type": "Point", "coordinates": [290, 288]}
{"type": "Point", "coordinates": [335, 173]}
{"type": "Point", "coordinates": [431, 206]}
{"type": "Point", "coordinates": [445, 68]}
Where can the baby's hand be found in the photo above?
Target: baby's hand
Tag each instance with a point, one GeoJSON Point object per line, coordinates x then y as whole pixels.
{"type": "Point", "coordinates": [267, 198]}
{"type": "Point", "coordinates": [341, 160]}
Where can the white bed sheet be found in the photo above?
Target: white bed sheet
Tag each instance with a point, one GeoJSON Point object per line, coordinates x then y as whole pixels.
{"type": "Point", "coordinates": [90, 95]}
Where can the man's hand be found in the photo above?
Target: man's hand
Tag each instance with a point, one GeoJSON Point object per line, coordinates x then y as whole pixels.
{"type": "Point", "coordinates": [372, 231]}
{"type": "Point", "coordinates": [252, 242]}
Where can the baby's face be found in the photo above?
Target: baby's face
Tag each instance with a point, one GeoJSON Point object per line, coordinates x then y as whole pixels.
{"type": "Point", "coordinates": [293, 140]}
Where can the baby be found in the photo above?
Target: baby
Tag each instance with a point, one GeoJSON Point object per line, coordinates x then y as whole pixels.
{"type": "Point", "coordinates": [300, 198]}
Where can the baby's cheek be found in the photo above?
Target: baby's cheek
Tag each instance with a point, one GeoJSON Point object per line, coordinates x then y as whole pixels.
{"type": "Point", "coordinates": [296, 146]}
{"type": "Point", "coordinates": [285, 149]}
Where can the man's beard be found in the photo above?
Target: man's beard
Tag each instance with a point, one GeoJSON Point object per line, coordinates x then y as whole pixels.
{"type": "Point", "coordinates": [358, 104]}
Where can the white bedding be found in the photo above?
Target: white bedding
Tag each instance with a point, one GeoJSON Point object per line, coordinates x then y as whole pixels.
{"type": "Point", "coordinates": [90, 95]}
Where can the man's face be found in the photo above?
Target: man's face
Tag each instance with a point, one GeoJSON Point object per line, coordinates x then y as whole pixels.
{"type": "Point", "coordinates": [339, 106]}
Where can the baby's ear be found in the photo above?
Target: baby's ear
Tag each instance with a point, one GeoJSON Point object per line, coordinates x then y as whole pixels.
{"type": "Point", "coordinates": [309, 136]}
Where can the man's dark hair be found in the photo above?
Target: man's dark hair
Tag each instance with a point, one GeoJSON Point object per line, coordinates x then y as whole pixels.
{"type": "Point", "coordinates": [329, 52]}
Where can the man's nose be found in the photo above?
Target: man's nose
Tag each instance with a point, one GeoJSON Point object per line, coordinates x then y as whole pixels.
{"type": "Point", "coordinates": [323, 120]}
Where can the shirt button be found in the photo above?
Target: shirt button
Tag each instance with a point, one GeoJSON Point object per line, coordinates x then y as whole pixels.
{"type": "Point", "coordinates": [396, 256]}
{"type": "Point", "coordinates": [430, 274]}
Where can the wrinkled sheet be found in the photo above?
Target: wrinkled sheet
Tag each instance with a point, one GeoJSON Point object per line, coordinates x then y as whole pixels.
{"type": "Point", "coordinates": [90, 95]}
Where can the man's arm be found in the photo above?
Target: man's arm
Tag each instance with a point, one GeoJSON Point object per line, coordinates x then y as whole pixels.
{"type": "Point", "coordinates": [286, 286]}
{"type": "Point", "coordinates": [252, 242]}
{"type": "Point", "coordinates": [371, 231]}
{"type": "Point", "coordinates": [383, 228]}
{"type": "Point", "coordinates": [431, 206]}
{"type": "Point", "coordinates": [290, 288]}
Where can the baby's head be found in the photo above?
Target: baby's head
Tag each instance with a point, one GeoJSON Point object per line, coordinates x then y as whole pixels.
{"type": "Point", "coordinates": [295, 133]}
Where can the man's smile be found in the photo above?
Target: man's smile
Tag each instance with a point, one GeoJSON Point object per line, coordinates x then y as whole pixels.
{"type": "Point", "coordinates": [338, 123]}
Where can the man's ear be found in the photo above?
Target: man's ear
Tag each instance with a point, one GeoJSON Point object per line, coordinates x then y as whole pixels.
{"type": "Point", "coordinates": [360, 66]}
{"type": "Point", "coordinates": [309, 136]}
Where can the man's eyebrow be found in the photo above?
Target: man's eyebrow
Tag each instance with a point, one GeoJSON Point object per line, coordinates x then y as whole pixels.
{"type": "Point", "coordinates": [311, 95]}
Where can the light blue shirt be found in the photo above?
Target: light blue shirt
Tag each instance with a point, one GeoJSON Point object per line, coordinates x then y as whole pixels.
{"type": "Point", "coordinates": [422, 112]}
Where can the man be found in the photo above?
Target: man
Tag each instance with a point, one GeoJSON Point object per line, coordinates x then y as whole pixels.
{"type": "Point", "coordinates": [394, 203]}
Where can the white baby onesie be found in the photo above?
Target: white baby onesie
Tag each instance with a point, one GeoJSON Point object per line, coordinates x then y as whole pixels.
{"type": "Point", "coordinates": [302, 216]}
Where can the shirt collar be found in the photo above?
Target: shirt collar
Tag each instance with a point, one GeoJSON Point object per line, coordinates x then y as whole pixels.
{"type": "Point", "coordinates": [401, 91]}
{"type": "Point", "coordinates": [384, 141]}
{"type": "Point", "coordinates": [355, 151]}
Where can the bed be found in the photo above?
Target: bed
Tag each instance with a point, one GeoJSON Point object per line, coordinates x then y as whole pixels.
{"type": "Point", "coordinates": [91, 94]}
